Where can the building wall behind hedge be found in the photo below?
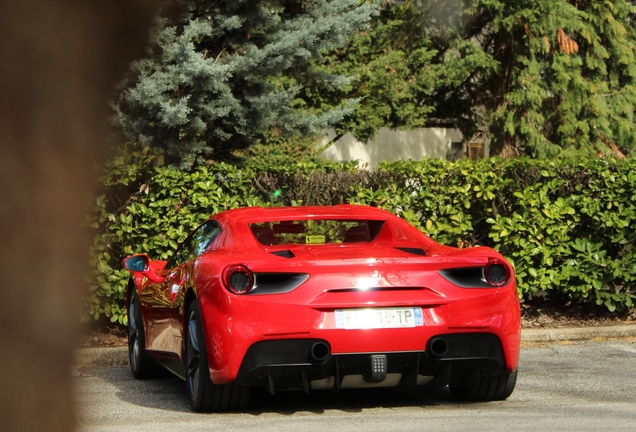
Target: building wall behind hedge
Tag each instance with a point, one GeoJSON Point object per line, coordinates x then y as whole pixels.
{"type": "Point", "coordinates": [567, 226]}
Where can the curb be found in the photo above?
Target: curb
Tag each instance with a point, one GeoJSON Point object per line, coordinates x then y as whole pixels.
{"type": "Point", "coordinates": [86, 358]}
{"type": "Point", "coordinates": [577, 334]}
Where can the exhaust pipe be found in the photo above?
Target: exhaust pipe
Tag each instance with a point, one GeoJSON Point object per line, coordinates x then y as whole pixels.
{"type": "Point", "coordinates": [320, 351]}
{"type": "Point", "coordinates": [438, 347]}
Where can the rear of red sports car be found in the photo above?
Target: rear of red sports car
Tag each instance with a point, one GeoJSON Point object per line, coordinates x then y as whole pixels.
{"type": "Point", "coordinates": [348, 296]}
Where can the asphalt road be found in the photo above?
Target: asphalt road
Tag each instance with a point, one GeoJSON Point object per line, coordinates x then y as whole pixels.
{"type": "Point", "coordinates": [584, 386]}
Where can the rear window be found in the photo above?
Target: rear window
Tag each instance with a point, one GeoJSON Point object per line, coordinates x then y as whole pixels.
{"type": "Point", "coordinates": [316, 231]}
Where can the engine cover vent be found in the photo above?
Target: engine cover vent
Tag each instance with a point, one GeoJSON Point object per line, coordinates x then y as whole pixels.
{"type": "Point", "coordinates": [284, 253]}
{"type": "Point", "coordinates": [414, 251]}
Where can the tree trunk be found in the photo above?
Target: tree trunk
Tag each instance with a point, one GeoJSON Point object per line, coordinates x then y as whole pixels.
{"type": "Point", "coordinates": [60, 60]}
{"type": "Point", "coordinates": [502, 144]}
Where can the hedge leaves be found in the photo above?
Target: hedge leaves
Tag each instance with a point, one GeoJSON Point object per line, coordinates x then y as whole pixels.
{"type": "Point", "coordinates": [567, 226]}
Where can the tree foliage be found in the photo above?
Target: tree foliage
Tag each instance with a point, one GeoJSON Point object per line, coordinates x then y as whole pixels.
{"type": "Point", "coordinates": [402, 70]}
{"type": "Point", "coordinates": [568, 74]}
{"type": "Point", "coordinates": [540, 75]}
{"type": "Point", "coordinates": [217, 74]}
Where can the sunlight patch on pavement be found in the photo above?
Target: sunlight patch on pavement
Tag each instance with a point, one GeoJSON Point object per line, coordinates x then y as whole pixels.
{"type": "Point", "coordinates": [624, 348]}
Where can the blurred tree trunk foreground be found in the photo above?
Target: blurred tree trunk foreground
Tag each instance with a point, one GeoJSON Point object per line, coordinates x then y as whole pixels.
{"type": "Point", "coordinates": [60, 59]}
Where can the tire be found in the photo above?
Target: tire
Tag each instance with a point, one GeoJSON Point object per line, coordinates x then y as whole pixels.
{"type": "Point", "coordinates": [205, 396]}
{"type": "Point", "coordinates": [142, 365]}
{"type": "Point", "coordinates": [498, 387]}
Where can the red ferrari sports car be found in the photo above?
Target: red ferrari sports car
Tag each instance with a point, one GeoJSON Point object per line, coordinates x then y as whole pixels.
{"type": "Point", "coordinates": [309, 298]}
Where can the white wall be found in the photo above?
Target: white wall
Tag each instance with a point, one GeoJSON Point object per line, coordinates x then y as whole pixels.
{"type": "Point", "coordinates": [392, 145]}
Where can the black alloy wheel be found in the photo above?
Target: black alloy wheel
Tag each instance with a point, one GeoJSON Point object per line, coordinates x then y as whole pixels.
{"type": "Point", "coordinates": [205, 396]}
{"type": "Point", "coordinates": [142, 365]}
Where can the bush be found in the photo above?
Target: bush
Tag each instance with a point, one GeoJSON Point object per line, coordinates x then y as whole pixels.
{"type": "Point", "coordinates": [567, 226]}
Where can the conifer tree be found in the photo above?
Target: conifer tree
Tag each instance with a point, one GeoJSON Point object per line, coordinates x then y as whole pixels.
{"type": "Point", "coordinates": [566, 76]}
{"type": "Point", "coordinates": [219, 74]}
{"type": "Point", "coordinates": [540, 75]}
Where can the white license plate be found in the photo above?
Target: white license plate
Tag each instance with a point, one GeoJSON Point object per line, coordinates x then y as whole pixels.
{"type": "Point", "coordinates": [378, 318]}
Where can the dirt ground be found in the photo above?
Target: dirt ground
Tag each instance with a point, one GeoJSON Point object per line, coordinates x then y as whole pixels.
{"type": "Point", "coordinates": [540, 313]}
{"type": "Point", "coordinates": [534, 314]}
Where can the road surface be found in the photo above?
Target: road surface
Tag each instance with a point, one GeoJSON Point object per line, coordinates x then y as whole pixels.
{"type": "Point", "coordinates": [584, 386]}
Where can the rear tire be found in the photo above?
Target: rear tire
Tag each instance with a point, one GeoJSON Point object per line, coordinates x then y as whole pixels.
{"type": "Point", "coordinates": [205, 396]}
{"type": "Point", "coordinates": [498, 387]}
{"type": "Point", "coordinates": [142, 365]}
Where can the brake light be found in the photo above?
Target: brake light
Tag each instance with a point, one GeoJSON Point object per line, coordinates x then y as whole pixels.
{"type": "Point", "coordinates": [238, 279]}
{"type": "Point", "coordinates": [496, 273]}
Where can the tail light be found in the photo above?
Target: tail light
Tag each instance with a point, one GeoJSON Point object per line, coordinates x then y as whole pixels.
{"type": "Point", "coordinates": [496, 273]}
{"type": "Point", "coordinates": [238, 279]}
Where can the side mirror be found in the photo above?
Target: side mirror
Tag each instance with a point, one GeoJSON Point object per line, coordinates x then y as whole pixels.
{"type": "Point", "coordinates": [142, 264]}
{"type": "Point", "coordinates": [137, 263]}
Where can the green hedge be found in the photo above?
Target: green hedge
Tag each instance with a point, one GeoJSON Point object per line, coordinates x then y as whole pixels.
{"type": "Point", "coordinates": [568, 227]}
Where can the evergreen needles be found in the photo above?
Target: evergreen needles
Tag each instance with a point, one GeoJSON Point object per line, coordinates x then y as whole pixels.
{"type": "Point", "coordinates": [217, 74]}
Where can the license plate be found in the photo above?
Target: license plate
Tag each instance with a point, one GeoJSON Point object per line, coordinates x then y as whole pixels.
{"type": "Point", "coordinates": [378, 318]}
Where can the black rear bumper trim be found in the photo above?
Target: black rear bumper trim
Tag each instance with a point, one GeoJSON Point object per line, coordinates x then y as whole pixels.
{"type": "Point", "coordinates": [289, 365]}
